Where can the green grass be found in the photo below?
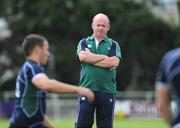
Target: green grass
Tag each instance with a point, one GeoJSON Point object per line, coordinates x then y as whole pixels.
{"type": "Point", "coordinates": [121, 123]}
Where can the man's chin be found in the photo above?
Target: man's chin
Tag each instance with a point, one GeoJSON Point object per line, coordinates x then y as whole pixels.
{"type": "Point", "coordinates": [43, 63]}
{"type": "Point", "coordinates": [100, 35]}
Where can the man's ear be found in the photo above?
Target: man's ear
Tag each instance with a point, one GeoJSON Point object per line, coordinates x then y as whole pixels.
{"type": "Point", "coordinates": [92, 25]}
{"type": "Point", "coordinates": [109, 27]}
{"type": "Point", "coordinates": [37, 50]}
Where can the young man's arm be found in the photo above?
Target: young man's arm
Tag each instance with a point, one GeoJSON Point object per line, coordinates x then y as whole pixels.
{"type": "Point", "coordinates": [43, 82]}
{"type": "Point", "coordinates": [163, 103]}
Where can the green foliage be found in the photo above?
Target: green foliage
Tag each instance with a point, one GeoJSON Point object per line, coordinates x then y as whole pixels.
{"type": "Point", "coordinates": [144, 45]}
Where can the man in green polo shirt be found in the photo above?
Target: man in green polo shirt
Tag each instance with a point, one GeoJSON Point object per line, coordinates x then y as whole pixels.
{"type": "Point", "coordinates": [99, 56]}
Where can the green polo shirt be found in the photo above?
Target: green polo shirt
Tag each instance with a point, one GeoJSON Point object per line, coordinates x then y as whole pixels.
{"type": "Point", "coordinates": [97, 78]}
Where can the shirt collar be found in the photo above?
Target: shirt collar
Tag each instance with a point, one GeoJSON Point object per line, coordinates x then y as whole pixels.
{"type": "Point", "coordinates": [32, 61]}
{"type": "Point", "coordinates": [92, 37]}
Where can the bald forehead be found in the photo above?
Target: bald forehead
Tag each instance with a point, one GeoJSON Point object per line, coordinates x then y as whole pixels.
{"type": "Point", "coordinates": [46, 42]}
{"type": "Point", "coordinates": [101, 16]}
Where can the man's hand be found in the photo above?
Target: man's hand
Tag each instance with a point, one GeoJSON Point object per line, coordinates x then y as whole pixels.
{"type": "Point", "coordinates": [47, 123]}
{"type": "Point", "coordinates": [88, 93]}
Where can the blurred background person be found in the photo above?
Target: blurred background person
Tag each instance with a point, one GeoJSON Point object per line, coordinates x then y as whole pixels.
{"type": "Point", "coordinates": [168, 84]}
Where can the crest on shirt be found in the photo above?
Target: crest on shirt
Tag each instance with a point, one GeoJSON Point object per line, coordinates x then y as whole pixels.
{"type": "Point", "coordinates": [89, 46]}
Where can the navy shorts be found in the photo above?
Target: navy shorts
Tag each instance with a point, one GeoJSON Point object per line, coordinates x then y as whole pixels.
{"type": "Point", "coordinates": [20, 120]}
{"type": "Point", "coordinates": [103, 106]}
{"type": "Point", "coordinates": [37, 125]}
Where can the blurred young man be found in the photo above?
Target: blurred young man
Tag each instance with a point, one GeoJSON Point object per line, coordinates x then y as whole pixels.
{"type": "Point", "coordinates": [32, 84]}
{"type": "Point", "coordinates": [167, 83]}
{"type": "Point", "coordinates": [99, 55]}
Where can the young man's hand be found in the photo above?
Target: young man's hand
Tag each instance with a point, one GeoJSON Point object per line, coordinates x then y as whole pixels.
{"type": "Point", "coordinates": [88, 93]}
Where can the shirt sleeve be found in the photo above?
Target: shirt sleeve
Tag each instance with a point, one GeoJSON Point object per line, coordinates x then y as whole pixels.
{"type": "Point", "coordinates": [34, 70]}
{"type": "Point", "coordinates": [161, 77]}
{"type": "Point", "coordinates": [82, 45]}
{"type": "Point", "coordinates": [115, 50]}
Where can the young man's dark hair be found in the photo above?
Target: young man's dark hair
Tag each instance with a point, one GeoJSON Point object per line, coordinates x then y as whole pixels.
{"type": "Point", "coordinates": [31, 41]}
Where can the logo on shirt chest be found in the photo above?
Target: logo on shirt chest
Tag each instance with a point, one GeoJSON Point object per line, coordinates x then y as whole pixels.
{"type": "Point", "coordinates": [89, 46]}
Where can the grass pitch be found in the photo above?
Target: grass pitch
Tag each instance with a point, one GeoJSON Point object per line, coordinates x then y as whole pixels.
{"type": "Point", "coordinates": [121, 123]}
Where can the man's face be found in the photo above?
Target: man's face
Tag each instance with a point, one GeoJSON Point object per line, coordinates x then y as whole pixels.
{"type": "Point", "coordinates": [44, 53]}
{"type": "Point", "coordinates": [100, 26]}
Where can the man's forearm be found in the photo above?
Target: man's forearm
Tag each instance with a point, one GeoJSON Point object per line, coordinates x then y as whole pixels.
{"type": "Point", "coordinates": [166, 114]}
{"type": "Point", "coordinates": [110, 62]}
{"type": "Point", "coordinates": [91, 58]}
{"type": "Point", "coordinates": [163, 103]}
